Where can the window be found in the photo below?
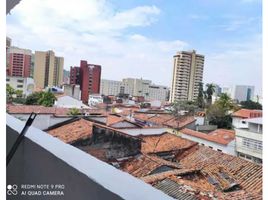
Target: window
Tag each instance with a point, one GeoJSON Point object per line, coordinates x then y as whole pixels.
{"type": "Point", "coordinates": [19, 86]}
{"type": "Point", "coordinates": [7, 79]}
{"type": "Point", "coordinates": [252, 144]}
{"type": "Point", "coordinates": [243, 122]}
{"type": "Point", "coordinates": [20, 81]}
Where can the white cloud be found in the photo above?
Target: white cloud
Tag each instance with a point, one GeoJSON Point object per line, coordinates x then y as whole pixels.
{"type": "Point", "coordinates": [238, 63]}
{"type": "Point", "coordinates": [94, 31]}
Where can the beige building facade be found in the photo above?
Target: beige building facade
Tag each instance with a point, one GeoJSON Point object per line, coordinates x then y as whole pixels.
{"type": "Point", "coordinates": [187, 74]}
{"type": "Point", "coordinates": [48, 69]}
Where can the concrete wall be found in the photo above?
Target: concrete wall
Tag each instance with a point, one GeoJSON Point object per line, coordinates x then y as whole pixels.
{"type": "Point", "coordinates": [42, 121]}
{"type": "Point", "coordinates": [238, 122]}
{"type": "Point", "coordinates": [34, 165]}
{"type": "Point", "coordinates": [119, 145]}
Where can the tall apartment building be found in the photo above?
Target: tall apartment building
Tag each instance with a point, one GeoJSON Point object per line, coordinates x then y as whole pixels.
{"type": "Point", "coordinates": [134, 87]}
{"type": "Point", "coordinates": [88, 76]}
{"type": "Point", "coordinates": [48, 69]}
{"type": "Point", "coordinates": [8, 45]}
{"type": "Point", "coordinates": [19, 62]}
{"type": "Point", "coordinates": [242, 93]}
{"type": "Point", "coordinates": [187, 74]}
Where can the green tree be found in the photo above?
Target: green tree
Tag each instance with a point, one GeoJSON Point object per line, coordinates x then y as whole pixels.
{"type": "Point", "coordinates": [179, 106]}
{"type": "Point", "coordinates": [10, 91]}
{"type": "Point", "coordinates": [33, 98]}
{"type": "Point", "coordinates": [74, 111]}
{"type": "Point", "coordinates": [18, 93]}
{"type": "Point", "coordinates": [41, 98]}
{"type": "Point", "coordinates": [216, 115]}
{"type": "Point", "coordinates": [209, 92]}
{"type": "Point", "coordinates": [219, 113]}
{"type": "Point", "coordinates": [200, 99]}
{"type": "Point", "coordinates": [226, 102]}
{"type": "Point", "coordinates": [47, 99]}
{"type": "Point", "coordinates": [251, 105]}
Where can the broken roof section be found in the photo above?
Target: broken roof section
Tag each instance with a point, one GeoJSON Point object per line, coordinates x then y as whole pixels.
{"type": "Point", "coordinates": [247, 174]}
{"type": "Point", "coordinates": [143, 165]}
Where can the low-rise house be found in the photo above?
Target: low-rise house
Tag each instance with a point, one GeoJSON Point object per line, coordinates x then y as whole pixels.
{"type": "Point", "coordinates": [249, 140]}
{"type": "Point", "coordinates": [238, 117]}
{"type": "Point", "coordinates": [220, 140]}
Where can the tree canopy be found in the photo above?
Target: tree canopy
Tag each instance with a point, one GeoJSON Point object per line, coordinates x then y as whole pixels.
{"type": "Point", "coordinates": [251, 105]}
{"type": "Point", "coordinates": [41, 98]}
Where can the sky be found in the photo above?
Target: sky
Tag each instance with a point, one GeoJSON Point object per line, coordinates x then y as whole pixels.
{"type": "Point", "coordinates": [138, 38]}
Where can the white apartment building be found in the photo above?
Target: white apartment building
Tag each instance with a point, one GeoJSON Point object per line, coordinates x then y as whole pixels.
{"type": "Point", "coordinates": [26, 85]}
{"type": "Point", "coordinates": [134, 87]}
{"type": "Point", "coordinates": [187, 74]}
{"type": "Point", "coordinates": [249, 140]}
{"type": "Point", "coordinates": [242, 93]}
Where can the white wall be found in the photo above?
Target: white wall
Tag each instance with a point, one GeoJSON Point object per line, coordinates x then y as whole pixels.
{"type": "Point", "coordinates": [69, 102]}
{"type": "Point", "coordinates": [238, 122]}
{"type": "Point", "coordinates": [20, 83]}
{"type": "Point", "coordinates": [228, 149]}
{"type": "Point", "coordinates": [42, 121]}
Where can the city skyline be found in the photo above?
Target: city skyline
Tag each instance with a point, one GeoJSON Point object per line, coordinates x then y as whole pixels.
{"type": "Point", "coordinates": [135, 38]}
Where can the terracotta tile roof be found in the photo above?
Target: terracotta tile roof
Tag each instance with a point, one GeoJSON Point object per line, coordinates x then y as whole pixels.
{"type": "Point", "coordinates": [112, 119]}
{"type": "Point", "coordinates": [27, 109]}
{"type": "Point", "coordinates": [142, 165]}
{"type": "Point", "coordinates": [160, 118]}
{"type": "Point", "coordinates": [247, 113]}
{"type": "Point", "coordinates": [74, 131]}
{"type": "Point", "coordinates": [220, 136]}
{"type": "Point", "coordinates": [181, 122]}
{"type": "Point", "coordinates": [247, 174]}
{"type": "Point", "coordinates": [164, 143]}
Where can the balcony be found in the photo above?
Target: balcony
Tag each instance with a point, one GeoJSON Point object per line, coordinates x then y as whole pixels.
{"type": "Point", "coordinates": [43, 159]}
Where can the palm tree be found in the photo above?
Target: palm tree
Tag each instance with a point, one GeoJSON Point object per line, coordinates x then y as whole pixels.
{"type": "Point", "coordinates": [226, 102]}
{"type": "Point", "coordinates": [200, 98]}
{"type": "Point", "coordinates": [209, 92]}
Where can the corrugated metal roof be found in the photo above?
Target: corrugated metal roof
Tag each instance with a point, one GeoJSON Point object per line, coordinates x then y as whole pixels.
{"type": "Point", "coordinates": [173, 189]}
